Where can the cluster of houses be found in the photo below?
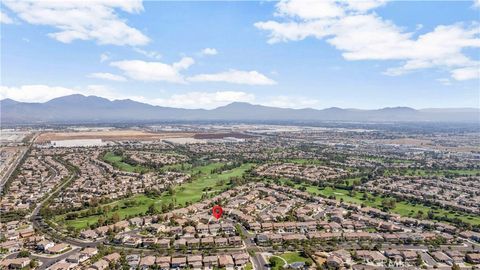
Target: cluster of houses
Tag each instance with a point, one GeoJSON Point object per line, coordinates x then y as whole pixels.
{"type": "Point", "coordinates": [36, 177]}
{"type": "Point", "coordinates": [98, 179]}
{"type": "Point", "coordinates": [459, 193]}
{"type": "Point", "coordinates": [156, 158]}
{"type": "Point", "coordinates": [234, 260]}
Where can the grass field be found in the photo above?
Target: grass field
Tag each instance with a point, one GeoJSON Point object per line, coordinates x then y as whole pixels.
{"type": "Point", "coordinates": [203, 183]}
{"type": "Point", "coordinates": [402, 207]}
{"type": "Point", "coordinates": [117, 162]}
{"type": "Point", "coordinates": [292, 257]}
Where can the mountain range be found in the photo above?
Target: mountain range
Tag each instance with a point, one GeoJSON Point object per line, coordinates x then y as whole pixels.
{"type": "Point", "coordinates": [93, 109]}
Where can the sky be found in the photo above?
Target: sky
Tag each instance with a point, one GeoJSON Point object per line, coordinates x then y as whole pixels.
{"type": "Point", "coordinates": [295, 53]}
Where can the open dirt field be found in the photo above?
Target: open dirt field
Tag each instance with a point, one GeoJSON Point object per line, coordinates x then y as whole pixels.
{"type": "Point", "coordinates": [111, 135]}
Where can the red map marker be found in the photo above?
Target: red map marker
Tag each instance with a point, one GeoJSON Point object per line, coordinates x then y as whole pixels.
{"type": "Point", "coordinates": [217, 211]}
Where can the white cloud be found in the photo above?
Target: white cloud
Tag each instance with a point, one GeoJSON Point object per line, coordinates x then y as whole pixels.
{"type": "Point", "coordinates": [149, 54]}
{"type": "Point", "coordinates": [476, 3]}
{"type": "Point", "coordinates": [154, 71]}
{"type": "Point", "coordinates": [467, 73]}
{"type": "Point", "coordinates": [83, 20]}
{"type": "Point", "coordinates": [34, 93]}
{"type": "Point", "coordinates": [209, 51]}
{"type": "Point", "coordinates": [293, 102]}
{"type": "Point", "coordinates": [205, 100]}
{"type": "Point", "coordinates": [104, 57]}
{"type": "Point", "coordinates": [234, 76]}
{"type": "Point", "coordinates": [43, 93]}
{"type": "Point", "coordinates": [107, 76]}
{"type": "Point", "coordinates": [4, 18]}
{"type": "Point", "coordinates": [360, 34]}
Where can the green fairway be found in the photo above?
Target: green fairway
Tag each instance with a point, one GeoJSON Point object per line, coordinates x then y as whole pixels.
{"type": "Point", "coordinates": [117, 162]}
{"type": "Point", "coordinates": [204, 183]}
{"type": "Point", "coordinates": [402, 208]}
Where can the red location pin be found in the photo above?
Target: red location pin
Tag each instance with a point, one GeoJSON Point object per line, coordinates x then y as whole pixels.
{"type": "Point", "coordinates": [217, 211]}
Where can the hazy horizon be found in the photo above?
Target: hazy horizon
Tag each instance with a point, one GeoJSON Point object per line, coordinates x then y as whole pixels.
{"type": "Point", "coordinates": [290, 54]}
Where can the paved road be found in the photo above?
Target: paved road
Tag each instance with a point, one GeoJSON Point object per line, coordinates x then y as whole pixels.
{"type": "Point", "coordinates": [257, 259]}
{"type": "Point", "coordinates": [12, 168]}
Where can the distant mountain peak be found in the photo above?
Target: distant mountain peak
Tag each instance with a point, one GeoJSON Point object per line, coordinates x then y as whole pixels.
{"type": "Point", "coordinates": [78, 108]}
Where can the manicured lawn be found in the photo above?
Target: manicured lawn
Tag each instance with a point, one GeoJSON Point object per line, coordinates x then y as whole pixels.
{"type": "Point", "coordinates": [402, 208]}
{"type": "Point", "coordinates": [292, 257]}
{"type": "Point", "coordinates": [276, 263]}
{"type": "Point", "coordinates": [203, 183]}
{"type": "Point", "coordinates": [117, 162]}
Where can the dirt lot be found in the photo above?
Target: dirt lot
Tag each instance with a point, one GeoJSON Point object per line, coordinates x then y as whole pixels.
{"type": "Point", "coordinates": [111, 135]}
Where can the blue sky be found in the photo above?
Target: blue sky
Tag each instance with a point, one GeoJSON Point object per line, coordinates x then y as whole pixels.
{"type": "Point", "coordinates": [293, 53]}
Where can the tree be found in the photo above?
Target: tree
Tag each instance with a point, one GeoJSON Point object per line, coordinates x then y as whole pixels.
{"type": "Point", "coordinates": [24, 254]}
{"type": "Point", "coordinates": [115, 217]}
{"type": "Point", "coordinates": [455, 266]}
{"type": "Point", "coordinates": [151, 209]}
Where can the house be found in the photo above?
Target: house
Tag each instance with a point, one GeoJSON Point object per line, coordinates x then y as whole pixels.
{"type": "Point", "coordinates": [241, 259]}
{"type": "Point", "coordinates": [221, 241]}
{"type": "Point", "coordinates": [202, 229]}
{"type": "Point", "coordinates": [44, 245]}
{"type": "Point", "coordinates": [194, 261]}
{"type": "Point", "coordinates": [58, 248]}
{"type": "Point", "coordinates": [74, 258]}
{"type": "Point", "coordinates": [214, 228]}
{"type": "Point", "coordinates": [89, 234]}
{"type": "Point", "coordinates": [163, 262]}
{"type": "Point", "coordinates": [26, 232]}
{"type": "Point", "coordinates": [149, 241]}
{"type": "Point", "coordinates": [207, 241]}
{"type": "Point", "coordinates": [368, 256]}
{"type": "Point", "coordinates": [147, 262]}
{"type": "Point", "coordinates": [442, 257]}
{"type": "Point", "coordinates": [114, 257]}
{"type": "Point", "coordinates": [193, 242]}
{"type": "Point", "coordinates": [136, 221]}
{"type": "Point", "coordinates": [179, 243]}
{"type": "Point", "coordinates": [210, 261]}
{"type": "Point", "coordinates": [17, 263]}
{"type": "Point", "coordinates": [87, 253]}
{"type": "Point", "coordinates": [133, 260]}
{"type": "Point", "coordinates": [228, 228]}
{"type": "Point", "coordinates": [163, 243]}
{"type": "Point", "coordinates": [61, 266]}
{"type": "Point", "coordinates": [473, 258]}
{"type": "Point", "coordinates": [179, 262]}
{"type": "Point", "coordinates": [225, 260]}
{"type": "Point", "coordinates": [100, 265]}
{"type": "Point", "coordinates": [334, 261]}
{"type": "Point", "coordinates": [234, 241]}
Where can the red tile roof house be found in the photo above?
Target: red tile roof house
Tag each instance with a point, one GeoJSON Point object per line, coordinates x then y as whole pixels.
{"type": "Point", "coordinates": [225, 261]}
{"type": "Point", "coordinates": [163, 243]}
{"type": "Point", "coordinates": [147, 261]}
{"type": "Point", "coordinates": [194, 261]}
{"type": "Point", "coordinates": [235, 241]}
{"type": "Point", "coordinates": [179, 243]}
{"type": "Point", "coordinates": [163, 262]}
{"type": "Point", "coordinates": [241, 259]}
{"type": "Point", "coordinates": [193, 243]}
{"type": "Point", "coordinates": [179, 262]}
{"type": "Point", "coordinates": [210, 261]}
{"type": "Point", "coordinates": [207, 241]}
